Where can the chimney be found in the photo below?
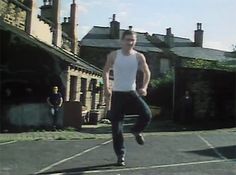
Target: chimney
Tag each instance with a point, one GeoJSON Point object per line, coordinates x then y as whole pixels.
{"type": "Point", "coordinates": [57, 35]}
{"type": "Point", "coordinates": [65, 19]}
{"type": "Point", "coordinates": [72, 21]}
{"type": "Point", "coordinates": [47, 10]}
{"type": "Point", "coordinates": [50, 2]}
{"type": "Point", "coordinates": [169, 38]}
{"type": "Point", "coordinates": [66, 26]}
{"type": "Point", "coordinates": [30, 15]}
{"type": "Point", "coordinates": [198, 35]}
{"type": "Point", "coordinates": [114, 28]}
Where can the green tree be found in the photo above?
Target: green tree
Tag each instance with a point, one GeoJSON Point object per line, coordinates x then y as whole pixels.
{"type": "Point", "coordinates": [162, 81]}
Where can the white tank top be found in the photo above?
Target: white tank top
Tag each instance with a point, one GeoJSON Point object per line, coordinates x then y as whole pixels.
{"type": "Point", "coordinates": [124, 71]}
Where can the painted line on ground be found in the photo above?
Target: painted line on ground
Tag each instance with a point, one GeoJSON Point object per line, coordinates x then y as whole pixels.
{"type": "Point", "coordinates": [72, 157]}
{"type": "Point", "coordinates": [212, 147]}
{"type": "Point", "coordinates": [144, 167]}
{"type": "Point", "coordinates": [5, 143]}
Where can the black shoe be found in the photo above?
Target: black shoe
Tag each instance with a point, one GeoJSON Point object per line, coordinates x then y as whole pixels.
{"type": "Point", "coordinates": [139, 138]}
{"type": "Point", "coordinates": [121, 161]}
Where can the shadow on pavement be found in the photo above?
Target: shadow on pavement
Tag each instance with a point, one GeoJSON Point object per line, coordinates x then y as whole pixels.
{"type": "Point", "coordinates": [81, 170]}
{"type": "Point", "coordinates": [228, 152]}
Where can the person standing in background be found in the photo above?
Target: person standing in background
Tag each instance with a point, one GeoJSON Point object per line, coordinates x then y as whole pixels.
{"type": "Point", "coordinates": [55, 101]}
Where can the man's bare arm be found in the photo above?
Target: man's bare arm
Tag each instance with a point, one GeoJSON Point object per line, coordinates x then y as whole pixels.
{"type": "Point", "coordinates": [61, 101]}
{"type": "Point", "coordinates": [143, 66]}
{"type": "Point", "coordinates": [106, 71]}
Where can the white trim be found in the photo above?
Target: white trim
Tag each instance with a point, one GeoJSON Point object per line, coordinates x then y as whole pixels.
{"type": "Point", "coordinates": [212, 147]}
{"type": "Point", "coordinates": [146, 168]}
{"type": "Point", "coordinates": [5, 143]}
{"type": "Point", "coordinates": [72, 157]}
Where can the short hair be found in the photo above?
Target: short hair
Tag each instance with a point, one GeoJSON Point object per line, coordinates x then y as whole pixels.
{"type": "Point", "coordinates": [127, 32]}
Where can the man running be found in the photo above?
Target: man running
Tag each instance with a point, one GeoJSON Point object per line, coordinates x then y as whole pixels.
{"type": "Point", "coordinates": [125, 64]}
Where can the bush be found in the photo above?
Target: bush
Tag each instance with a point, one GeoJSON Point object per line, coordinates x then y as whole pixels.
{"type": "Point", "coordinates": [162, 81]}
{"type": "Point", "coordinates": [161, 92]}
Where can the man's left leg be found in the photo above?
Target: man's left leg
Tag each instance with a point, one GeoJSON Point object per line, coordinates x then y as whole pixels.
{"type": "Point", "coordinates": [144, 118]}
{"type": "Point", "coordinates": [55, 117]}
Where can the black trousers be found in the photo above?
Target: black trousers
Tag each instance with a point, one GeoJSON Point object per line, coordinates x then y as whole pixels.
{"type": "Point", "coordinates": [54, 115]}
{"type": "Point", "coordinates": [121, 102]}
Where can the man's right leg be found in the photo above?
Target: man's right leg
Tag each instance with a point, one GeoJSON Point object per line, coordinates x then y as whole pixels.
{"type": "Point", "coordinates": [116, 117]}
{"type": "Point", "coordinates": [118, 139]}
{"type": "Point", "coordinates": [53, 117]}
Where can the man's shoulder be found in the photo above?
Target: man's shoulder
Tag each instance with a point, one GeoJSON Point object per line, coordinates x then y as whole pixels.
{"type": "Point", "coordinates": [57, 94]}
{"type": "Point", "coordinates": [112, 54]}
{"type": "Point", "coordinates": [50, 95]}
{"type": "Point", "coordinates": [140, 56]}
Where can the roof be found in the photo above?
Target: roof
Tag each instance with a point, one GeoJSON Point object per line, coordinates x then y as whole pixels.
{"type": "Point", "coordinates": [178, 41]}
{"type": "Point", "coordinates": [99, 37]}
{"type": "Point", "coordinates": [203, 53]}
{"type": "Point", "coordinates": [62, 54]}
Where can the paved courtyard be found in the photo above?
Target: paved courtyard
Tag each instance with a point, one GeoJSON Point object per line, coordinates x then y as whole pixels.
{"type": "Point", "coordinates": [178, 153]}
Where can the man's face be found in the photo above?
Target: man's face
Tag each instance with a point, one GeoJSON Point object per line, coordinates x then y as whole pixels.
{"type": "Point", "coordinates": [129, 42]}
{"type": "Point", "coordinates": [55, 90]}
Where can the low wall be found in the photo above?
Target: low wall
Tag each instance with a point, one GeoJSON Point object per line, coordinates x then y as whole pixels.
{"type": "Point", "coordinates": [24, 117]}
{"type": "Point", "coordinates": [29, 116]}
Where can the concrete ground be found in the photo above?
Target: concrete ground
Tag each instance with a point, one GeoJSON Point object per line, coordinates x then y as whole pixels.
{"type": "Point", "coordinates": [167, 153]}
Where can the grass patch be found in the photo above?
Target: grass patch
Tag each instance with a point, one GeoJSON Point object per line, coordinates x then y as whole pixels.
{"type": "Point", "coordinates": [61, 138]}
{"type": "Point", "coordinates": [71, 129]}
{"type": "Point", "coordinates": [37, 139]}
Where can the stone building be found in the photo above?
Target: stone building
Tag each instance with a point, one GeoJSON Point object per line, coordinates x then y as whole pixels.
{"type": "Point", "coordinates": [38, 52]}
{"type": "Point", "coordinates": [162, 51]}
{"type": "Point", "coordinates": [165, 53]}
{"type": "Point", "coordinates": [156, 47]}
{"type": "Point", "coordinates": [101, 40]}
{"type": "Point", "coordinates": [205, 73]}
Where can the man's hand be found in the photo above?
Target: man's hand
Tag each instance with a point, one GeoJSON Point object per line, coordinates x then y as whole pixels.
{"type": "Point", "coordinates": [142, 91]}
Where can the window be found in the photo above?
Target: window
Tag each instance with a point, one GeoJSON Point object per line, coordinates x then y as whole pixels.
{"type": "Point", "coordinates": [73, 88]}
{"type": "Point", "coordinates": [83, 90]}
{"type": "Point", "coordinates": [164, 65]}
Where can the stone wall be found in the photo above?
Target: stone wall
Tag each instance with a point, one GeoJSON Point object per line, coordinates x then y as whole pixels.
{"type": "Point", "coordinates": [42, 31]}
{"type": "Point", "coordinates": [90, 95]}
{"type": "Point", "coordinates": [13, 14]}
{"type": "Point", "coordinates": [213, 98]}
